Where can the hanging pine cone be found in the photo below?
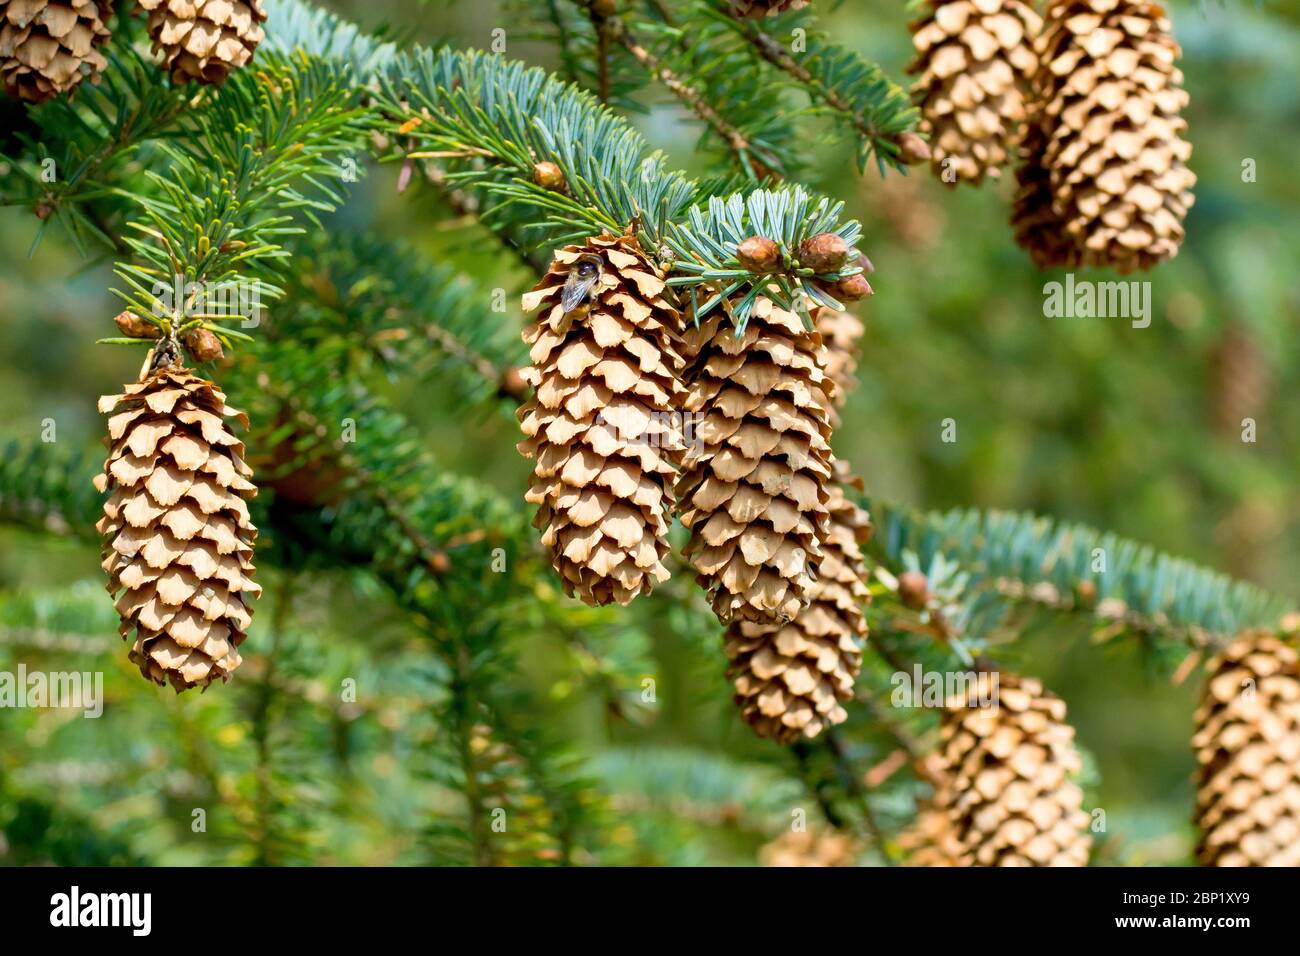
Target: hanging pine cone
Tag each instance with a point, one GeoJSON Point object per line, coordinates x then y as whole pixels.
{"type": "Point", "coordinates": [204, 40]}
{"type": "Point", "coordinates": [1004, 779]}
{"type": "Point", "coordinates": [931, 840]}
{"type": "Point", "coordinates": [790, 679]}
{"type": "Point", "coordinates": [1115, 153]}
{"type": "Point", "coordinates": [602, 425]}
{"type": "Point", "coordinates": [976, 62]}
{"type": "Point", "coordinates": [765, 8]}
{"type": "Point", "coordinates": [754, 493]}
{"type": "Point", "coordinates": [1247, 745]}
{"type": "Point", "coordinates": [1034, 220]}
{"type": "Point", "coordinates": [840, 332]}
{"type": "Point", "coordinates": [178, 541]}
{"type": "Point", "coordinates": [48, 47]}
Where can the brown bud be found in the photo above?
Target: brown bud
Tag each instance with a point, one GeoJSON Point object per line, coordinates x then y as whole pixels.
{"type": "Point", "coordinates": [865, 264]}
{"type": "Point", "coordinates": [824, 252]}
{"type": "Point", "coordinates": [852, 288]}
{"type": "Point", "coordinates": [913, 589]}
{"type": "Point", "coordinates": [132, 326]}
{"type": "Point", "coordinates": [604, 8]}
{"type": "Point", "coordinates": [913, 150]}
{"type": "Point", "coordinates": [548, 176]}
{"type": "Point", "coordinates": [1086, 592]}
{"type": "Point", "coordinates": [759, 254]}
{"type": "Point", "coordinates": [513, 384]}
{"type": "Point", "coordinates": [439, 563]}
{"type": "Point", "coordinates": [43, 210]}
{"type": "Point", "coordinates": [203, 345]}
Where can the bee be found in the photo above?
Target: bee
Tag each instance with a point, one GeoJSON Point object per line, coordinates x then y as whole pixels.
{"type": "Point", "coordinates": [580, 283]}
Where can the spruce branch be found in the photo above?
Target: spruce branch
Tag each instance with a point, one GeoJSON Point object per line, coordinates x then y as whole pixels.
{"type": "Point", "coordinates": [855, 92]}
{"type": "Point", "coordinates": [266, 147]}
{"type": "Point", "coordinates": [492, 121]}
{"type": "Point", "coordinates": [75, 166]}
{"type": "Point", "coordinates": [694, 96]}
{"type": "Point", "coordinates": [358, 295]}
{"type": "Point", "coordinates": [1073, 568]}
{"type": "Point", "coordinates": [47, 488]}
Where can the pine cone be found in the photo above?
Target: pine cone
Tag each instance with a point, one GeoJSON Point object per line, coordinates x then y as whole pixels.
{"type": "Point", "coordinates": [754, 493]}
{"type": "Point", "coordinates": [1115, 153]}
{"type": "Point", "coordinates": [790, 678]}
{"type": "Point", "coordinates": [602, 425]}
{"type": "Point", "coordinates": [1034, 220]}
{"type": "Point", "coordinates": [931, 839]}
{"type": "Point", "coordinates": [1247, 745]}
{"type": "Point", "coordinates": [48, 47]}
{"type": "Point", "coordinates": [976, 62]}
{"type": "Point", "coordinates": [1004, 784]}
{"type": "Point", "coordinates": [808, 848]}
{"type": "Point", "coordinates": [840, 332]}
{"type": "Point", "coordinates": [204, 40]}
{"type": "Point", "coordinates": [765, 8]}
{"type": "Point", "coordinates": [178, 541]}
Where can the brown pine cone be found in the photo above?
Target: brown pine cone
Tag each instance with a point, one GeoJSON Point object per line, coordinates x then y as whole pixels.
{"type": "Point", "coordinates": [976, 63]}
{"type": "Point", "coordinates": [1004, 775]}
{"type": "Point", "coordinates": [48, 47]}
{"type": "Point", "coordinates": [791, 679]}
{"type": "Point", "coordinates": [841, 333]}
{"type": "Point", "coordinates": [1247, 745]}
{"type": "Point", "coordinates": [204, 40]}
{"type": "Point", "coordinates": [603, 425]}
{"type": "Point", "coordinates": [178, 541]}
{"type": "Point", "coordinates": [1114, 147]}
{"type": "Point", "coordinates": [754, 493]}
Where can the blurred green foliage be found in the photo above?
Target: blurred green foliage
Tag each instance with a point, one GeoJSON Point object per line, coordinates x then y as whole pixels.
{"type": "Point", "coordinates": [1134, 430]}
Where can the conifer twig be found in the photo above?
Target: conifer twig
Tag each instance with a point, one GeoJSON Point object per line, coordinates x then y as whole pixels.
{"type": "Point", "coordinates": [689, 96]}
{"type": "Point", "coordinates": [770, 49]}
